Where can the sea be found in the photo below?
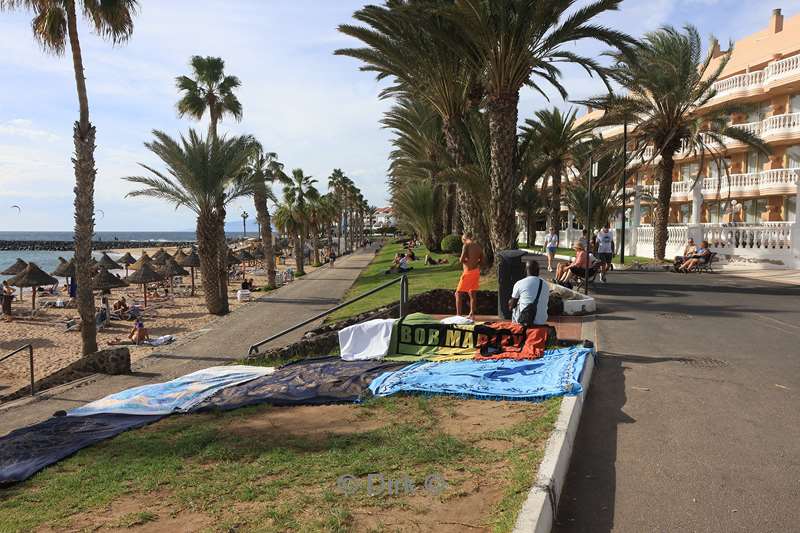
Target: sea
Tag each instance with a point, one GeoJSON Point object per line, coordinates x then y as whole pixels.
{"type": "Point", "coordinates": [47, 260]}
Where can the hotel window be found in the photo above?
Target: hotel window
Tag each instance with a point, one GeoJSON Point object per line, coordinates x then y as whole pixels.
{"type": "Point", "coordinates": [685, 211]}
{"type": "Point", "coordinates": [717, 168]}
{"type": "Point", "coordinates": [753, 209]}
{"type": "Point", "coordinates": [757, 112]}
{"type": "Point", "coordinates": [689, 172]}
{"type": "Point", "coordinates": [793, 156]}
{"type": "Point", "coordinates": [714, 212]}
{"type": "Point", "coordinates": [790, 208]}
{"type": "Point", "coordinates": [794, 103]}
{"type": "Point", "coordinates": [755, 161]}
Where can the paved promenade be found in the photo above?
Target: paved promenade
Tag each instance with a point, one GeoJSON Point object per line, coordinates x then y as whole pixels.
{"type": "Point", "coordinates": [692, 421]}
{"type": "Point", "coordinates": [222, 341]}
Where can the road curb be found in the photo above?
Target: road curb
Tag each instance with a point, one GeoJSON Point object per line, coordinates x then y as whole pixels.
{"type": "Point", "coordinates": [540, 508]}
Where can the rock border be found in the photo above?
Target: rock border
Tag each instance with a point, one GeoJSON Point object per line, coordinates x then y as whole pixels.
{"type": "Point", "coordinates": [541, 506]}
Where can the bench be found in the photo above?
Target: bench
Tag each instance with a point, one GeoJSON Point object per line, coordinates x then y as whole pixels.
{"type": "Point", "coordinates": [708, 266]}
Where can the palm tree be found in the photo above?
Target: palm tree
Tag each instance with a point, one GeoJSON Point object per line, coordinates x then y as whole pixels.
{"type": "Point", "coordinates": [54, 24]}
{"type": "Point", "coordinates": [666, 81]}
{"type": "Point", "coordinates": [403, 41]}
{"type": "Point", "coordinates": [298, 191]}
{"type": "Point", "coordinates": [510, 44]}
{"type": "Point", "coordinates": [550, 140]}
{"type": "Point", "coordinates": [337, 183]}
{"type": "Point", "coordinates": [415, 206]}
{"type": "Point", "coordinates": [199, 177]}
{"type": "Point", "coordinates": [210, 91]}
{"type": "Point", "coordinates": [263, 170]}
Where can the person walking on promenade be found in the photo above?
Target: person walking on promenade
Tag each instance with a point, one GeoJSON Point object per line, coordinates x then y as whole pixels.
{"type": "Point", "coordinates": [551, 245]}
{"type": "Point", "coordinates": [471, 258]}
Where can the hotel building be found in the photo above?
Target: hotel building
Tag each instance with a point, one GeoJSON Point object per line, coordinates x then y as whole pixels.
{"type": "Point", "coordinates": [748, 213]}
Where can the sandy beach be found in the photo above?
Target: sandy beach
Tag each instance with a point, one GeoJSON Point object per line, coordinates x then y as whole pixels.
{"type": "Point", "coordinates": [55, 348]}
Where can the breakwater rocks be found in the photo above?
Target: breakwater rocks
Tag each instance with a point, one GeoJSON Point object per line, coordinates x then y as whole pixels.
{"type": "Point", "coordinates": [67, 246]}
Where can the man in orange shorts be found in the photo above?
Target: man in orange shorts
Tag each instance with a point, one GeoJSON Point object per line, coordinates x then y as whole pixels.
{"type": "Point", "coordinates": [471, 258]}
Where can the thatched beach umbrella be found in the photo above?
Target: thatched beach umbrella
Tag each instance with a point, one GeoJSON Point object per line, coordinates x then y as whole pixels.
{"type": "Point", "coordinates": [192, 261]}
{"type": "Point", "coordinates": [126, 260]}
{"type": "Point", "coordinates": [105, 281]}
{"type": "Point", "coordinates": [179, 255]}
{"type": "Point", "coordinates": [32, 276]}
{"type": "Point", "coordinates": [142, 260]}
{"type": "Point", "coordinates": [160, 257]}
{"type": "Point", "coordinates": [145, 274]}
{"type": "Point", "coordinates": [108, 263]}
{"type": "Point", "coordinates": [171, 269]}
{"type": "Point", "coordinates": [232, 259]}
{"type": "Point", "coordinates": [244, 255]}
{"type": "Point", "coordinates": [16, 268]}
{"type": "Point", "coordinates": [62, 265]}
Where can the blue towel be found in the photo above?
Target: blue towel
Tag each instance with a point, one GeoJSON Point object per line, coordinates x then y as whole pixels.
{"type": "Point", "coordinates": [558, 373]}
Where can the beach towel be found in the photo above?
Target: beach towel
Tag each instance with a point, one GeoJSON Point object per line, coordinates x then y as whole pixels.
{"type": "Point", "coordinates": [160, 341]}
{"type": "Point", "coordinates": [368, 340]}
{"type": "Point", "coordinates": [307, 382]}
{"type": "Point", "coordinates": [455, 319]}
{"type": "Point", "coordinates": [557, 373]}
{"type": "Point", "coordinates": [178, 395]}
{"type": "Point", "coordinates": [508, 340]}
{"type": "Point", "coordinates": [25, 451]}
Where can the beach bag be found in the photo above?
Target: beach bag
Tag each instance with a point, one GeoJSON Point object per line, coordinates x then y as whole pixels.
{"type": "Point", "coordinates": [528, 315]}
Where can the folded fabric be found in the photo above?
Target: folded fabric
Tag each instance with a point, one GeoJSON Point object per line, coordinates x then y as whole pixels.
{"type": "Point", "coordinates": [557, 373]}
{"type": "Point", "coordinates": [178, 395]}
{"type": "Point", "coordinates": [307, 382]}
{"type": "Point", "coordinates": [25, 451]}
{"type": "Point", "coordinates": [160, 341]}
{"type": "Point", "coordinates": [508, 340]}
{"type": "Point", "coordinates": [457, 320]}
{"type": "Point", "coordinates": [368, 340]}
{"type": "Point", "coordinates": [422, 335]}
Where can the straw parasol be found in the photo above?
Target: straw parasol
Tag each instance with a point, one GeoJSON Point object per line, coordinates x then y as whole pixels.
{"type": "Point", "coordinates": [145, 274]}
{"type": "Point", "coordinates": [32, 276]}
{"type": "Point", "coordinates": [142, 260]}
{"type": "Point", "coordinates": [160, 257]}
{"type": "Point", "coordinates": [59, 270]}
{"type": "Point", "coordinates": [108, 263]}
{"type": "Point", "coordinates": [244, 255]}
{"type": "Point", "coordinates": [232, 259]}
{"type": "Point", "coordinates": [105, 280]}
{"type": "Point", "coordinates": [15, 269]}
{"type": "Point", "coordinates": [179, 255]}
{"type": "Point", "coordinates": [192, 261]}
{"type": "Point", "coordinates": [126, 260]}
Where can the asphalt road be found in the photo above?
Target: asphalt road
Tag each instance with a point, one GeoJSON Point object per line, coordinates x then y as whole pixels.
{"type": "Point", "coordinates": [692, 422]}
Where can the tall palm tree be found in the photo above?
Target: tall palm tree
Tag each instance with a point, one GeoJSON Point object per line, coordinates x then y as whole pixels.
{"type": "Point", "coordinates": [403, 41]}
{"type": "Point", "coordinates": [415, 206]}
{"type": "Point", "coordinates": [298, 191]}
{"type": "Point", "coordinates": [666, 80]}
{"type": "Point", "coordinates": [200, 175]}
{"type": "Point", "coordinates": [550, 140]}
{"type": "Point", "coordinates": [510, 44]}
{"type": "Point", "coordinates": [210, 91]}
{"type": "Point", "coordinates": [54, 24]}
{"type": "Point", "coordinates": [337, 183]}
{"type": "Point", "coordinates": [263, 170]}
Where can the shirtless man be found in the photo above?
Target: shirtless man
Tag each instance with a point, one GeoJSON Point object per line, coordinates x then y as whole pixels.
{"type": "Point", "coordinates": [471, 258]}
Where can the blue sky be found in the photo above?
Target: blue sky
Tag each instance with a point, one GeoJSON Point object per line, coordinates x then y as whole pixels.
{"type": "Point", "coordinates": [317, 111]}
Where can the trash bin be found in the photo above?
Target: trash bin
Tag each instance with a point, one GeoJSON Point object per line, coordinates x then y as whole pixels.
{"type": "Point", "coordinates": [510, 269]}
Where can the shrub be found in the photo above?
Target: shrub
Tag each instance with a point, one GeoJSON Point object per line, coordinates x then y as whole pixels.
{"type": "Point", "coordinates": [451, 244]}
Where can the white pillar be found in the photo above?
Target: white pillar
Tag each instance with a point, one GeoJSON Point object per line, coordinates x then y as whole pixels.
{"type": "Point", "coordinates": [570, 222]}
{"type": "Point", "coordinates": [695, 229]}
{"type": "Point", "coordinates": [795, 244]}
{"type": "Point", "coordinates": [636, 217]}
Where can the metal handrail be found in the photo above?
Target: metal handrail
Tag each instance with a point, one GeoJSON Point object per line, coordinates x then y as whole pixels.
{"type": "Point", "coordinates": [403, 280]}
{"type": "Point", "coordinates": [28, 347]}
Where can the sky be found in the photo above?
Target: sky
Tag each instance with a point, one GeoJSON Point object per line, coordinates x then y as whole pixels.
{"type": "Point", "coordinates": [316, 110]}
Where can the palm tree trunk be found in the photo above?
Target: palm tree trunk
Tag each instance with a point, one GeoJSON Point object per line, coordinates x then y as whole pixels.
{"type": "Point", "coordinates": [555, 197]}
{"type": "Point", "coordinates": [84, 139]}
{"type": "Point", "coordinates": [665, 168]}
{"type": "Point", "coordinates": [315, 243]}
{"type": "Point", "coordinates": [502, 111]}
{"type": "Point", "coordinates": [439, 198]}
{"type": "Point", "coordinates": [222, 258]}
{"type": "Point", "coordinates": [345, 229]}
{"type": "Point", "coordinates": [262, 215]}
{"type": "Point", "coordinates": [208, 250]}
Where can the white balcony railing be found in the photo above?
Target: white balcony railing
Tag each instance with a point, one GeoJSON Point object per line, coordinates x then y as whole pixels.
{"type": "Point", "coordinates": [753, 82]}
{"type": "Point", "coordinates": [775, 181]}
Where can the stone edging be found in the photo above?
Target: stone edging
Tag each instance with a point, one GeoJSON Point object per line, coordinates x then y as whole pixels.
{"type": "Point", "coordinates": [541, 506]}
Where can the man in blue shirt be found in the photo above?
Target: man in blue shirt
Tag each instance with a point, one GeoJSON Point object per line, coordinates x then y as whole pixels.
{"type": "Point", "coordinates": [530, 291]}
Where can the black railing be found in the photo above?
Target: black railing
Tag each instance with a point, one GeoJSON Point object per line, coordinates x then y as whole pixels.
{"type": "Point", "coordinates": [30, 360]}
{"type": "Point", "coordinates": [402, 280]}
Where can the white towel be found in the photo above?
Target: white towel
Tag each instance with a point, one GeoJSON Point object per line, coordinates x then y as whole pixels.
{"type": "Point", "coordinates": [456, 320]}
{"type": "Point", "coordinates": [368, 340]}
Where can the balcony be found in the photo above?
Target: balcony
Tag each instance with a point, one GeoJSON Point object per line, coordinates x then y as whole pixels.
{"type": "Point", "coordinates": [758, 82]}
{"type": "Point", "coordinates": [765, 183]}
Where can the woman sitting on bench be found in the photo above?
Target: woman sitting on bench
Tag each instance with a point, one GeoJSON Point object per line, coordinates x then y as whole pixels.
{"type": "Point", "coordinates": [700, 257]}
{"type": "Point", "coordinates": [565, 271]}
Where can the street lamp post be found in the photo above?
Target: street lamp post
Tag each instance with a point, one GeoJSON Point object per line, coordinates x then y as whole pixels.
{"type": "Point", "coordinates": [244, 223]}
{"type": "Point", "coordinates": [592, 174]}
{"type": "Point", "coordinates": [624, 179]}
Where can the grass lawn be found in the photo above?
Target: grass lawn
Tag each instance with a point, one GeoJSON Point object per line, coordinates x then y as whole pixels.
{"type": "Point", "coordinates": [422, 278]}
{"type": "Point", "coordinates": [277, 469]}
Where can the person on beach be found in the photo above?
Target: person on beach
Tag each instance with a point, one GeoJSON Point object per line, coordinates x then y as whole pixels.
{"type": "Point", "coordinates": [471, 258]}
{"type": "Point", "coordinates": [605, 249]}
{"type": "Point", "coordinates": [8, 297]}
{"type": "Point", "coordinates": [551, 245]}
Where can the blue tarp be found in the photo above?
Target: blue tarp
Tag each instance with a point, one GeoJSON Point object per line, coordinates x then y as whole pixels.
{"type": "Point", "coordinates": [178, 395]}
{"type": "Point", "coordinates": [556, 374]}
{"type": "Point", "coordinates": [25, 451]}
